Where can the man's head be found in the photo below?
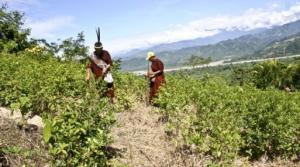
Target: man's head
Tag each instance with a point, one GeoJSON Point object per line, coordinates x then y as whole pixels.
{"type": "Point", "coordinates": [98, 45]}
{"type": "Point", "coordinates": [150, 56]}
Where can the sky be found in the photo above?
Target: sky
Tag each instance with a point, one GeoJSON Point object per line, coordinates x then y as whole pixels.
{"type": "Point", "coordinates": [131, 24]}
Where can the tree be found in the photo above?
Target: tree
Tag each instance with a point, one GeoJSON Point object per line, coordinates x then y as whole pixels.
{"type": "Point", "coordinates": [296, 76]}
{"type": "Point", "coordinates": [13, 37]}
{"type": "Point", "coordinates": [74, 48]}
{"type": "Point", "coordinates": [197, 60]}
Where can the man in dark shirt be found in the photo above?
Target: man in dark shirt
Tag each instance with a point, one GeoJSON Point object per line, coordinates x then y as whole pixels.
{"type": "Point", "coordinates": [155, 74]}
{"type": "Point", "coordinates": [100, 65]}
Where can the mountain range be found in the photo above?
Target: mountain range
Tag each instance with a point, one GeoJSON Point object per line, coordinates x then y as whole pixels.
{"type": "Point", "coordinates": [227, 44]}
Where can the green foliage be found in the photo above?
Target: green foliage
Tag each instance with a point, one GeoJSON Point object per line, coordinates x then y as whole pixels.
{"type": "Point", "coordinates": [129, 89]}
{"type": "Point", "coordinates": [38, 84]}
{"type": "Point", "coordinates": [47, 131]}
{"type": "Point", "coordinates": [12, 37]}
{"type": "Point", "coordinates": [74, 48]}
{"type": "Point", "coordinates": [12, 150]}
{"type": "Point", "coordinates": [197, 60]}
{"type": "Point", "coordinates": [244, 47]}
{"type": "Point", "coordinates": [271, 73]}
{"type": "Point", "coordinates": [226, 121]}
{"type": "Point", "coordinates": [271, 126]}
{"type": "Point", "coordinates": [80, 133]}
{"type": "Point", "coordinates": [52, 48]}
{"type": "Point", "coordinates": [223, 121]}
{"type": "Point", "coordinates": [18, 151]}
{"type": "Point", "coordinates": [77, 121]}
{"type": "Point", "coordinates": [268, 74]}
{"type": "Point", "coordinates": [284, 47]}
{"type": "Point", "coordinates": [296, 77]}
{"type": "Point", "coordinates": [241, 76]}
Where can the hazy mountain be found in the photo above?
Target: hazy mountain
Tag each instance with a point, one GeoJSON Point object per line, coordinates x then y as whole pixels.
{"type": "Point", "coordinates": [244, 45]}
{"type": "Point", "coordinates": [234, 48]}
{"type": "Point", "coordinates": [223, 35]}
{"type": "Point", "coordinates": [285, 47]}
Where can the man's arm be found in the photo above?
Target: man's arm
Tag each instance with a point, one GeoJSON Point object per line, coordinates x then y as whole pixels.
{"type": "Point", "coordinates": [88, 74]}
{"type": "Point", "coordinates": [160, 66]}
{"type": "Point", "coordinates": [88, 70]}
{"type": "Point", "coordinates": [157, 72]}
{"type": "Point", "coordinates": [108, 61]}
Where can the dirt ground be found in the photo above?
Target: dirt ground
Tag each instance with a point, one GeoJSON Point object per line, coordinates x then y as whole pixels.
{"type": "Point", "coordinates": [140, 137]}
{"type": "Point", "coordinates": [21, 146]}
{"type": "Point", "coordinates": [140, 140]}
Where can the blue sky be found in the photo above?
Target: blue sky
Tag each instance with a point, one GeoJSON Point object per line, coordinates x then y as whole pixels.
{"type": "Point", "coordinates": [141, 23]}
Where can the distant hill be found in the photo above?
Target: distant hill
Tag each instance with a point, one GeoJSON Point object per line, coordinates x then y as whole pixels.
{"type": "Point", "coordinates": [246, 45]}
{"type": "Point", "coordinates": [223, 35]}
{"type": "Point", "coordinates": [285, 47]}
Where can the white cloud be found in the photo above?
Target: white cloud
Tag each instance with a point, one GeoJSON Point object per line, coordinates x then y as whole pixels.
{"type": "Point", "coordinates": [22, 4]}
{"type": "Point", "coordinates": [41, 28]}
{"type": "Point", "coordinates": [48, 28]}
{"type": "Point", "coordinates": [250, 19]}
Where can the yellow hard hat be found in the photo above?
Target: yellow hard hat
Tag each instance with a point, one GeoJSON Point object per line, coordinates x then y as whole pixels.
{"type": "Point", "coordinates": [149, 55]}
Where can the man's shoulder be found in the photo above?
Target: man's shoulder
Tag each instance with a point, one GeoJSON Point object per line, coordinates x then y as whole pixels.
{"type": "Point", "coordinates": [158, 60]}
{"type": "Point", "coordinates": [106, 52]}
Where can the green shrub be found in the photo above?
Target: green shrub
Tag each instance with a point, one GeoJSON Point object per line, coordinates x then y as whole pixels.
{"type": "Point", "coordinates": [77, 119]}
{"type": "Point", "coordinates": [232, 121]}
{"type": "Point", "coordinates": [79, 135]}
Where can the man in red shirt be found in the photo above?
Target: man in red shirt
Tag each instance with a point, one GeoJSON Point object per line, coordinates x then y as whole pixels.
{"type": "Point", "coordinates": [100, 65]}
{"type": "Point", "coordinates": [156, 75]}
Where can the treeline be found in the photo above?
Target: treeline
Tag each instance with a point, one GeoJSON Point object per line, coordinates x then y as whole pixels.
{"type": "Point", "coordinates": [280, 74]}
{"type": "Point", "coordinates": [198, 60]}
{"type": "Point", "coordinates": [14, 39]}
{"type": "Point", "coordinates": [273, 73]}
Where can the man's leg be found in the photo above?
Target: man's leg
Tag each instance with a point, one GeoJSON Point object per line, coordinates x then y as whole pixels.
{"type": "Point", "coordinates": [111, 92]}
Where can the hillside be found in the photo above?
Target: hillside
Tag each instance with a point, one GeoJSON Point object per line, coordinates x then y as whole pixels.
{"type": "Point", "coordinates": [285, 47]}
{"type": "Point", "coordinates": [221, 36]}
{"type": "Point", "coordinates": [81, 129]}
{"type": "Point", "coordinates": [234, 48]}
{"type": "Point", "coordinates": [53, 114]}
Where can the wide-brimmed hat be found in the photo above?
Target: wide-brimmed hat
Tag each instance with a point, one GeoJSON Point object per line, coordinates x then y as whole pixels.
{"type": "Point", "coordinates": [150, 55]}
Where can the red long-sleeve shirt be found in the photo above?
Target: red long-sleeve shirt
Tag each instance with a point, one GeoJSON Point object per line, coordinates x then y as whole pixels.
{"type": "Point", "coordinates": [98, 72]}
{"type": "Point", "coordinates": [157, 65]}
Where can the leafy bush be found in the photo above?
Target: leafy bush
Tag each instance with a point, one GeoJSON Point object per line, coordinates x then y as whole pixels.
{"type": "Point", "coordinates": [271, 73]}
{"type": "Point", "coordinates": [77, 120]}
{"type": "Point", "coordinates": [13, 37]}
{"type": "Point", "coordinates": [38, 85]}
{"type": "Point", "coordinates": [231, 121]}
{"type": "Point", "coordinates": [79, 135]}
